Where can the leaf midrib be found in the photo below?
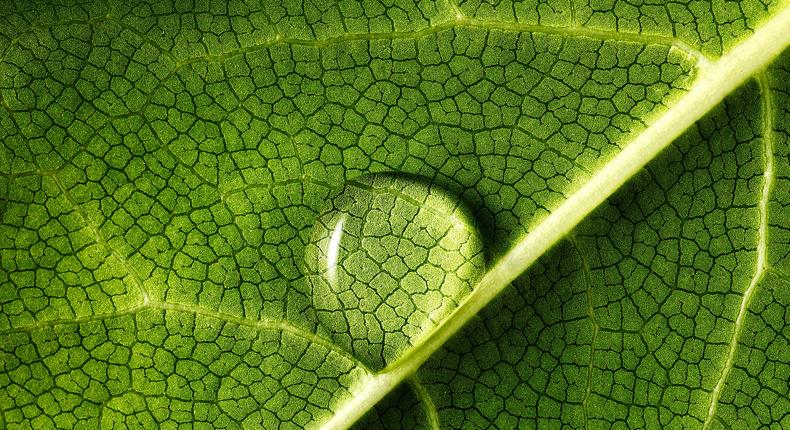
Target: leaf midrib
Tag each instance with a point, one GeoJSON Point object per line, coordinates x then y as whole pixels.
{"type": "Point", "coordinates": [461, 22]}
{"type": "Point", "coordinates": [714, 83]}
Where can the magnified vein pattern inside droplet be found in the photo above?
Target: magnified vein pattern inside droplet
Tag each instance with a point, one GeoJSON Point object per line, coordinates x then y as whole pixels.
{"type": "Point", "coordinates": [389, 257]}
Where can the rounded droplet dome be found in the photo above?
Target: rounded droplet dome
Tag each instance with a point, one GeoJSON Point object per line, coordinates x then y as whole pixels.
{"type": "Point", "coordinates": [390, 257]}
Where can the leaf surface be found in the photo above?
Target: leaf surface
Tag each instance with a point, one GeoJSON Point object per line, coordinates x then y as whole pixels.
{"type": "Point", "coordinates": [163, 169]}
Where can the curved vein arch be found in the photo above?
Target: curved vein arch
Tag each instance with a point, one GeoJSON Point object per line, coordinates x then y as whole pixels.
{"type": "Point", "coordinates": [470, 23]}
{"type": "Point", "coordinates": [263, 325]}
{"type": "Point", "coordinates": [714, 83]}
{"type": "Point", "coordinates": [273, 325]}
{"type": "Point", "coordinates": [415, 384]}
{"type": "Point", "coordinates": [457, 21]}
{"type": "Point", "coordinates": [148, 303]}
{"type": "Point", "coordinates": [425, 398]}
{"type": "Point", "coordinates": [462, 22]}
{"type": "Point", "coordinates": [762, 246]}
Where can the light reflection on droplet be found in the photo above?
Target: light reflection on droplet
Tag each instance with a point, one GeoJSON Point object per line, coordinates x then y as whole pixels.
{"type": "Point", "coordinates": [389, 257]}
{"type": "Point", "coordinates": [333, 250]}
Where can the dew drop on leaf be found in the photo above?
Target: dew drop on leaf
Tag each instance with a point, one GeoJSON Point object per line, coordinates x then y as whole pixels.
{"type": "Point", "coordinates": [389, 257]}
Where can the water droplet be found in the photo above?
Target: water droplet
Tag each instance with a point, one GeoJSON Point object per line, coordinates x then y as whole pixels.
{"type": "Point", "coordinates": [388, 259]}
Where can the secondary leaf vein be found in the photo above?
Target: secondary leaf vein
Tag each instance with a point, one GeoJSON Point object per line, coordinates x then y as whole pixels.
{"type": "Point", "coordinates": [762, 247]}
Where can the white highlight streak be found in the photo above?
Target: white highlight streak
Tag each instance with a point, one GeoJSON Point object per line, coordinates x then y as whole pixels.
{"type": "Point", "coordinates": [333, 251]}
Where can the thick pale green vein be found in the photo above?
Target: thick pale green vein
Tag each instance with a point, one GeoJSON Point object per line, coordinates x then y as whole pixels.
{"type": "Point", "coordinates": [712, 86]}
{"type": "Point", "coordinates": [762, 246]}
{"type": "Point", "coordinates": [31, 283]}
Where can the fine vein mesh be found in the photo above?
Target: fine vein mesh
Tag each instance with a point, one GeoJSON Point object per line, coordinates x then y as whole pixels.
{"type": "Point", "coordinates": [163, 163]}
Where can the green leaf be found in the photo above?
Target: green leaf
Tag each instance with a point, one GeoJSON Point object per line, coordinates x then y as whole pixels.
{"type": "Point", "coordinates": [418, 214]}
